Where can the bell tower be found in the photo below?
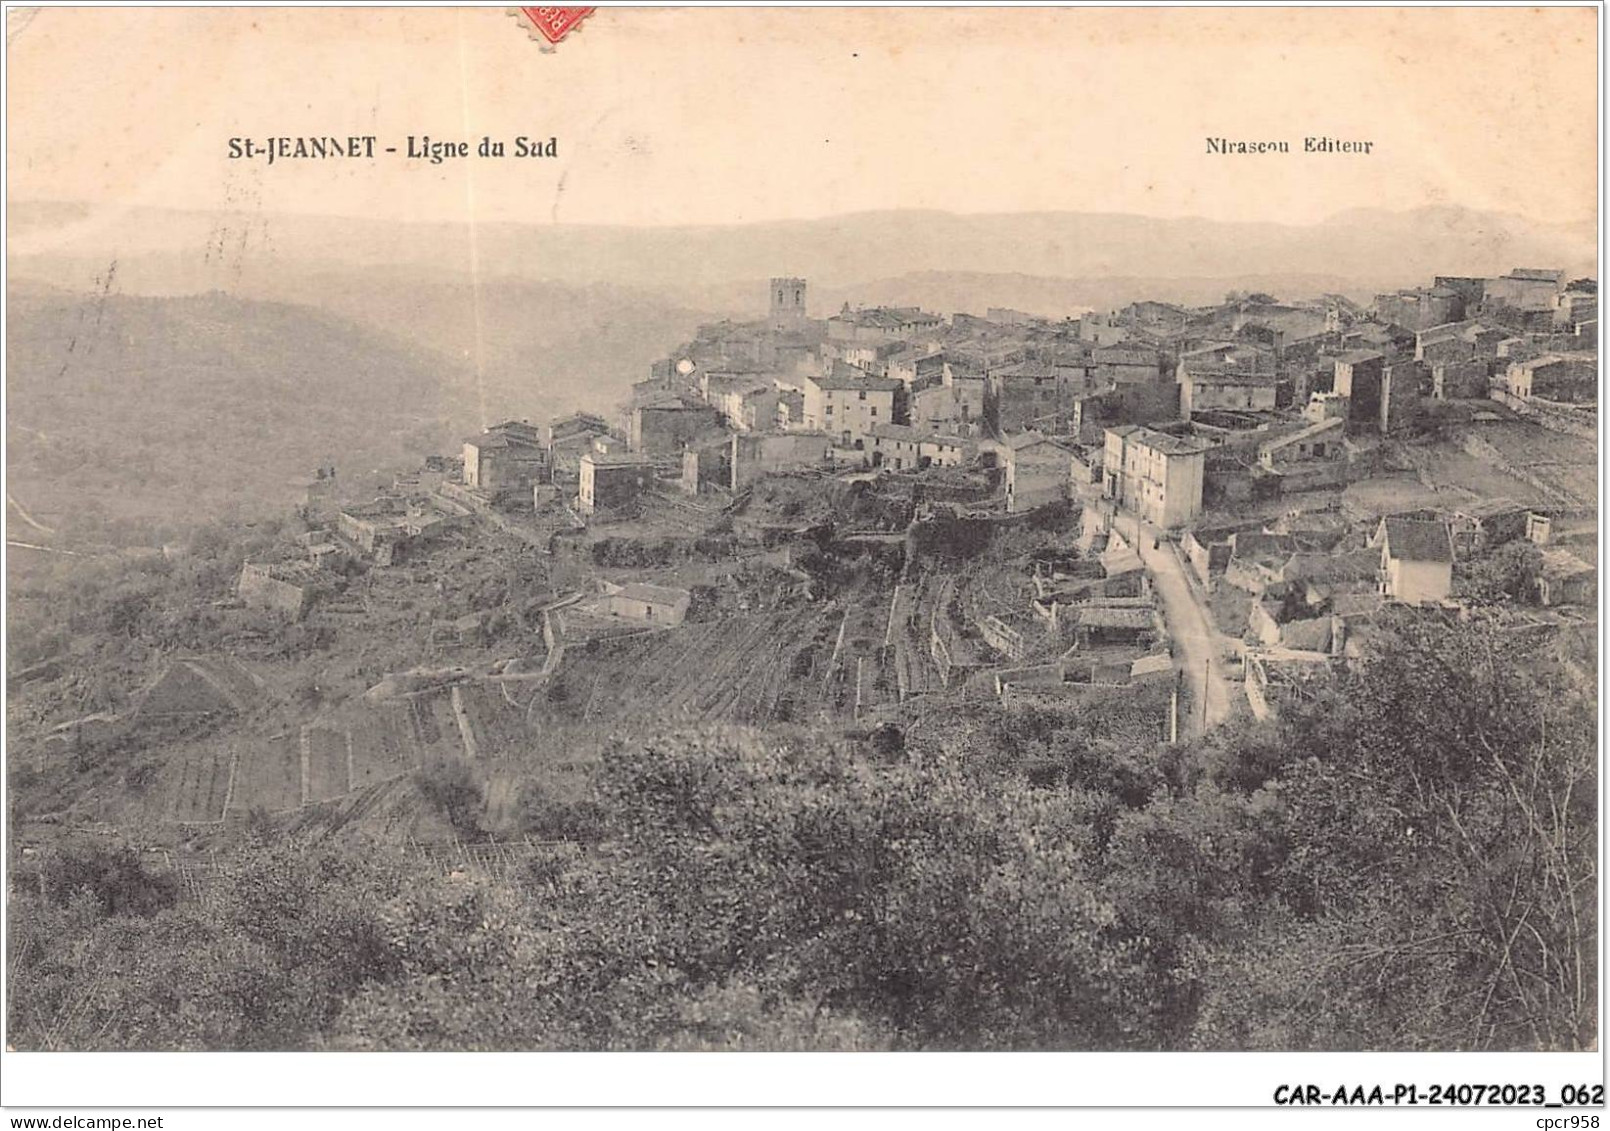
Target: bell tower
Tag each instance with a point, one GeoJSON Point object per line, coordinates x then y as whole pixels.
{"type": "Point", "coordinates": [787, 303]}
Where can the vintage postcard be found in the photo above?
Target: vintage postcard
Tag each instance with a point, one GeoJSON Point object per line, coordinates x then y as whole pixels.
{"type": "Point", "coordinates": [947, 530]}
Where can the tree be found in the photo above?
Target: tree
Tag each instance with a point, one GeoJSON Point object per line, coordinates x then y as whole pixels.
{"type": "Point", "coordinates": [1509, 572]}
{"type": "Point", "coordinates": [1405, 858]}
{"type": "Point", "coordinates": [1435, 888]}
{"type": "Point", "coordinates": [452, 787]}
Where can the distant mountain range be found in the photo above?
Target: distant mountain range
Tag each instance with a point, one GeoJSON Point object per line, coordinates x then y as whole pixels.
{"type": "Point", "coordinates": [184, 252]}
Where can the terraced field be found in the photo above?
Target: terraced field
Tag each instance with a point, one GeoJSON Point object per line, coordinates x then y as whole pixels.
{"type": "Point", "coordinates": [1566, 465]}
{"type": "Point", "coordinates": [268, 776]}
{"type": "Point", "coordinates": [361, 746]}
{"type": "Point", "coordinates": [418, 731]}
{"type": "Point", "coordinates": [752, 669]}
{"type": "Point", "coordinates": [326, 765]}
{"type": "Point", "coordinates": [198, 784]}
{"type": "Point", "coordinates": [910, 625]}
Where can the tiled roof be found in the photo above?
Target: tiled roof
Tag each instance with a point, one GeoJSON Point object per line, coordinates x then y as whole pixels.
{"type": "Point", "coordinates": [1116, 356]}
{"type": "Point", "coordinates": [914, 353]}
{"type": "Point", "coordinates": [887, 317]}
{"type": "Point", "coordinates": [1334, 424]}
{"type": "Point", "coordinates": [1487, 508]}
{"type": "Point", "coordinates": [488, 441]}
{"type": "Point", "coordinates": [673, 402]}
{"type": "Point", "coordinates": [599, 459]}
{"type": "Point", "coordinates": [1214, 375]}
{"type": "Point", "coordinates": [1312, 635]}
{"type": "Point", "coordinates": [575, 422]}
{"type": "Point", "coordinates": [1414, 541]}
{"type": "Point", "coordinates": [1102, 616]}
{"type": "Point", "coordinates": [1352, 565]}
{"type": "Point", "coordinates": [846, 376]}
{"type": "Point", "coordinates": [898, 432]}
{"type": "Point", "coordinates": [1035, 369]}
{"type": "Point", "coordinates": [1447, 331]}
{"type": "Point", "coordinates": [1165, 443]}
{"type": "Point", "coordinates": [522, 429]}
{"type": "Point", "coordinates": [1151, 665]}
{"type": "Point", "coordinates": [1560, 563]}
{"type": "Point", "coordinates": [1261, 545]}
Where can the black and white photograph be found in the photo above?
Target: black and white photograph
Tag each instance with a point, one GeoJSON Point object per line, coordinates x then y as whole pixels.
{"type": "Point", "coordinates": [695, 530]}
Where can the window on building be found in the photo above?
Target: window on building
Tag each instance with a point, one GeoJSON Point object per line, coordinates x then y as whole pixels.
{"type": "Point", "coordinates": [874, 410]}
{"type": "Point", "coordinates": [862, 395]}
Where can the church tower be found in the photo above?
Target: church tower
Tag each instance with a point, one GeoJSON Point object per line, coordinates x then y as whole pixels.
{"type": "Point", "coordinates": [787, 304]}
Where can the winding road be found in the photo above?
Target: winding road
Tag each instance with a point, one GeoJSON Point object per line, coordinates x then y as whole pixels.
{"type": "Point", "coordinates": [1199, 646]}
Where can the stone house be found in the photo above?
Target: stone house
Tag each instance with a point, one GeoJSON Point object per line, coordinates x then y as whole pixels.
{"type": "Point", "coordinates": [1028, 395]}
{"type": "Point", "coordinates": [506, 457]}
{"type": "Point", "coordinates": [288, 588]}
{"type": "Point", "coordinates": [1096, 626]}
{"type": "Point", "coordinates": [1112, 365]}
{"type": "Point", "coordinates": [1555, 377]}
{"type": "Point", "coordinates": [1566, 579]}
{"type": "Point", "coordinates": [650, 604]}
{"type": "Point", "coordinates": [611, 482]}
{"type": "Point", "coordinates": [1460, 380]}
{"type": "Point", "coordinates": [752, 455]}
{"type": "Point", "coordinates": [1206, 386]}
{"type": "Point", "coordinates": [1154, 474]}
{"type": "Point", "coordinates": [1036, 471]}
{"type": "Point", "coordinates": [667, 424]}
{"type": "Point", "coordinates": [1527, 289]}
{"type": "Point", "coordinates": [1416, 560]}
{"type": "Point", "coordinates": [902, 447]}
{"type": "Point", "coordinates": [1421, 308]}
{"type": "Point", "coordinates": [568, 438]}
{"type": "Point", "coordinates": [848, 404]}
{"type": "Point", "coordinates": [1318, 441]}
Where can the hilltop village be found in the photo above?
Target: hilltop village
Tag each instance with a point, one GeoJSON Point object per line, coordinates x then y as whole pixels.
{"type": "Point", "coordinates": [882, 519]}
{"type": "Point", "coordinates": [1156, 678]}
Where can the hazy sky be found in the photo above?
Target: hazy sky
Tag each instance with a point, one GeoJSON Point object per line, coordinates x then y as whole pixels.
{"type": "Point", "coordinates": [677, 116]}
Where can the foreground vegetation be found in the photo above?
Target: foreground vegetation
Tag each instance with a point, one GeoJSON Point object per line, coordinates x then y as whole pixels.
{"type": "Point", "coordinates": [1406, 861]}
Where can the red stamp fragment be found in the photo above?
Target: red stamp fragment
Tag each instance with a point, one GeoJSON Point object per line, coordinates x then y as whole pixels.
{"type": "Point", "coordinates": [553, 24]}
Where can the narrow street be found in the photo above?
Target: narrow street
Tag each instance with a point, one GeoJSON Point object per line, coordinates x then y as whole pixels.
{"type": "Point", "coordinates": [1199, 646]}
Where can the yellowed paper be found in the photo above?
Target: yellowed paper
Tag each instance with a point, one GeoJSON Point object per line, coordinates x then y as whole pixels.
{"type": "Point", "coordinates": [860, 529]}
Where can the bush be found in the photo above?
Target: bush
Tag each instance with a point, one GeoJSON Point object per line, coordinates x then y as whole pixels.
{"type": "Point", "coordinates": [116, 878]}
{"type": "Point", "coordinates": [453, 789]}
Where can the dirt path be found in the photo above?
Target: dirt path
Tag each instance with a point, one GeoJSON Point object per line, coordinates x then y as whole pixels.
{"type": "Point", "coordinates": [1199, 646]}
{"type": "Point", "coordinates": [26, 517]}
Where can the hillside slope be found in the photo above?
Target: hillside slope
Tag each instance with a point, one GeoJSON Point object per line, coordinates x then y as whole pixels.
{"type": "Point", "coordinates": [524, 348]}
{"type": "Point", "coordinates": [169, 410]}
